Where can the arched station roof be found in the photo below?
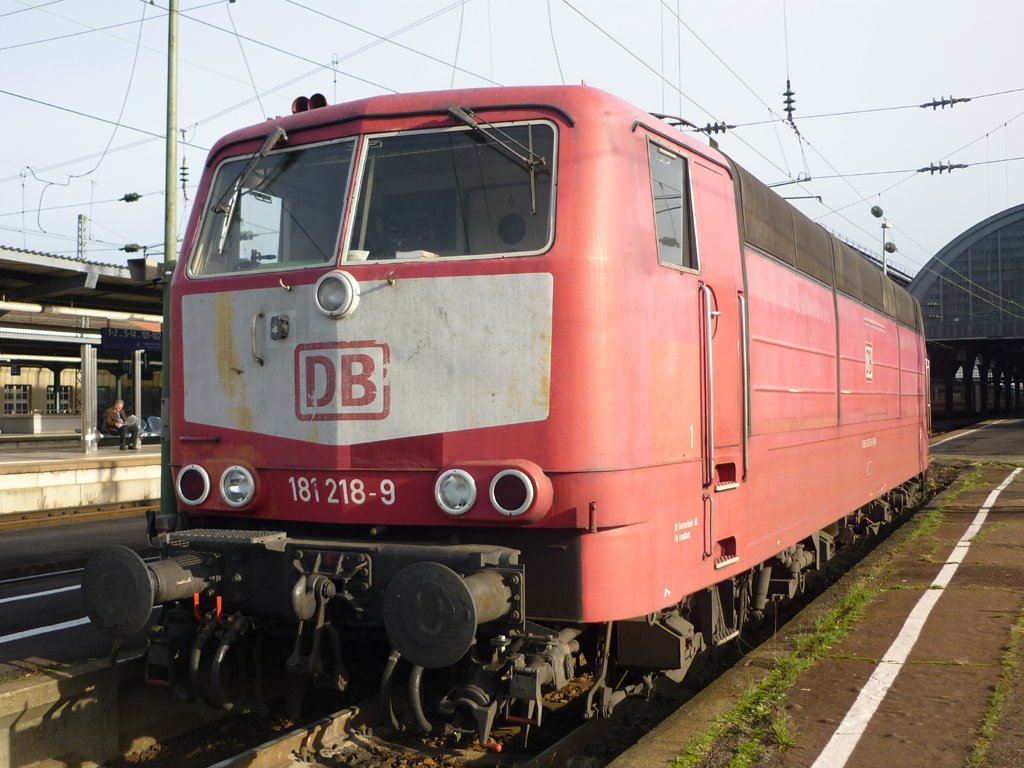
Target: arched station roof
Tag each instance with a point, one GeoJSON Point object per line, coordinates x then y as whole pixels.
{"type": "Point", "coordinates": [974, 287]}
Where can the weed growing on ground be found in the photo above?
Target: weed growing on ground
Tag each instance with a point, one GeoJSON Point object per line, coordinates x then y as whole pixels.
{"type": "Point", "coordinates": [997, 703]}
{"type": "Point", "coordinates": [928, 523]}
{"type": "Point", "coordinates": [988, 529]}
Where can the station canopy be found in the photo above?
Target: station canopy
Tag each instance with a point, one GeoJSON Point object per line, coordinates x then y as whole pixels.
{"type": "Point", "coordinates": [38, 289]}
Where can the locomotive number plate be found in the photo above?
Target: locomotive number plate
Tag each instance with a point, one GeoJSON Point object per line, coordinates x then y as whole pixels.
{"type": "Point", "coordinates": [345, 490]}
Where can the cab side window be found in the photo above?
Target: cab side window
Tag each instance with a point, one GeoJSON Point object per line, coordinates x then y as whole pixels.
{"type": "Point", "coordinates": [670, 186]}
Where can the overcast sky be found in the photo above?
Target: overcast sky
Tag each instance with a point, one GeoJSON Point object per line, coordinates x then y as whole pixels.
{"type": "Point", "coordinates": [82, 95]}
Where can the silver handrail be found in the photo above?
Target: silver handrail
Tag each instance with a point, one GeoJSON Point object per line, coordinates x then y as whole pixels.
{"type": "Point", "coordinates": [709, 505]}
{"type": "Point", "coordinates": [710, 376]}
{"type": "Point", "coordinates": [255, 349]}
{"type": "Point", "coordinates": [745, 364]}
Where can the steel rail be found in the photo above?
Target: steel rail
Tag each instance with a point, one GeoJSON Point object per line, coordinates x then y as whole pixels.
{"type": "Point", "coordinates": [16, 520]}
{"type": "Point", "coordinates": [302, 743]}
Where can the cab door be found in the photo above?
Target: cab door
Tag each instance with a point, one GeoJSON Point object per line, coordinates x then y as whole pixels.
{"type": "Point", "coordinates": [697, 232]}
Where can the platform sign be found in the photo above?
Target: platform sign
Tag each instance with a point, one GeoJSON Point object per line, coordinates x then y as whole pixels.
{"type": "Point", "coordinates": [129, 338]}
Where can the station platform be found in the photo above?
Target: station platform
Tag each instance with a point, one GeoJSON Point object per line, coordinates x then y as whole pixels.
{"type": "Point", "coordinates": [930, 672]}
{"type": "Point", "coordinates": [51, 473]}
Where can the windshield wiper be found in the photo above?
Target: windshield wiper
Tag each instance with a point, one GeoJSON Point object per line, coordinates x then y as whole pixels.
{"type": "Point", "coordinates": [277, 136]}
{"type": "Point", "coordinates": [531, 161]}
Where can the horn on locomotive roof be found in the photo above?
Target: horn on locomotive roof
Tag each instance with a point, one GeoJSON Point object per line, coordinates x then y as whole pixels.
{"type": "Point", "coordinates": [304, 104]}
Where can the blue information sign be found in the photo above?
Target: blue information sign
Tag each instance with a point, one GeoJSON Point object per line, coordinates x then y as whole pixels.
{"type": "Point", "coordinates": [129, 338]}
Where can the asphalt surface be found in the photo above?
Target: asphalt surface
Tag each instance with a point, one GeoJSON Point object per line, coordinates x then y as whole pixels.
{"type": "Point", "coordinates": [60, 546]}
{"type": "Point", "coordinates": [42, 620]}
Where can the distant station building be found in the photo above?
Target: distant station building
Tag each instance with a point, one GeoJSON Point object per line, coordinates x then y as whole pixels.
{"type": "Point", "coordinates": [51, 307]}
{"type": "Point", "coordinates": [972, 297]}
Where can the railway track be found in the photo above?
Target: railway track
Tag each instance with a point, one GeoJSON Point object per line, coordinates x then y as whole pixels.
{"type": "Point", "coordinates": [350, 737]}
{"type": "Point", "coordinates": [359, 736]}
{"type": "Point", "coordinates": [16, 520]}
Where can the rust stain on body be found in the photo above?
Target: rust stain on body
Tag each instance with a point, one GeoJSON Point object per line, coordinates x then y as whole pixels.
{"type": "Point", "coordinates": [230, 372]}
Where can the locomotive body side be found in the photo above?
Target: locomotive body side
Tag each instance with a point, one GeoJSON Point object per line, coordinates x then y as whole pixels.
{"type": "Point", "coordinates": [496, 376]}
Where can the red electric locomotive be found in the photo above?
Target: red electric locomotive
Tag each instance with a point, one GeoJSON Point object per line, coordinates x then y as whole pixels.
{"type": "Point", "coordinates": [499, 375]}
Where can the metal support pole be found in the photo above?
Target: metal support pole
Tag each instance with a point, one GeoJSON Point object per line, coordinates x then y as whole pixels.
{"type": "Point", "coordinates": [885, 261]}
{"type": "Point", "coordinates": [137, 390]}
{"type": "Point", "coordinates": [168, 507]}
{"type": "Point", "coordinates": [89, 407]}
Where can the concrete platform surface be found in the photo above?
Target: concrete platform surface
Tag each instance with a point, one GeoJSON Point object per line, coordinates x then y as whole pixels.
{"type": "Point", "coordinates": [960, 688]}
{"type": "Point", "coordinates": [42, 479]}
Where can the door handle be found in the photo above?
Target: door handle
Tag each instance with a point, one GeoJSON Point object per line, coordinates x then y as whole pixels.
{"type": "Point", "coordinates": [255, 343]}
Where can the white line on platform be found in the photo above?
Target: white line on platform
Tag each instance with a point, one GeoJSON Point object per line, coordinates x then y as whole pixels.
{"type": "Point", "coordinates": [968, 432]}
{"type": "Point", "coordinates": [844, 740]}
{"type": "Point", "coordinates": [43, 630]}
{"type": "Point", "coordinates": [38, 594]}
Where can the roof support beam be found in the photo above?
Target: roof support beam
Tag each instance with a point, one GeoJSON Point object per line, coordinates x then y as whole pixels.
{"type": "Point", "coordinates": [52, 288]}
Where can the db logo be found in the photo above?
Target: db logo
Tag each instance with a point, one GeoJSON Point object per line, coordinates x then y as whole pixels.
{"type": "Point", "coordinates": [346, 380]}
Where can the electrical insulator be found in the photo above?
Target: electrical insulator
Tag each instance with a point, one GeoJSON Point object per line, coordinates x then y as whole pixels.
{"type": "Point", "coordinates": [789, 101]}
{"type": "Point", "coordinates": [184, 177]}
{"type": "Point", "coordinates": [941, 168]}
{"type": "Point", "coordinates": [943, 102]}
{"type": "Point", "coordinates": [715, 128]}
{"type": "Point", "coordinates": [131, 197]}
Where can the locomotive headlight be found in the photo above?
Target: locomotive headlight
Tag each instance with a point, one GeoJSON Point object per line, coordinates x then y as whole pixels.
{"type": "Point", "coordinates": [455, 491]}
{"type": "Point", "coordinates": [337, 294]}
{"type": "Point", "coordinates": [511, 492]}
{"type": "Point", "coordinates": [193, 484]}
{"type": "Point", "coordinates": [237, 486]}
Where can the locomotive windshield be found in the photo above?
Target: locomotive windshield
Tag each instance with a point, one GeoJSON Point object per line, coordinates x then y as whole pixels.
{"type": "Point", "coordinates": [285, 212]}
{"type": "Point", "coordinates": [454, 193]}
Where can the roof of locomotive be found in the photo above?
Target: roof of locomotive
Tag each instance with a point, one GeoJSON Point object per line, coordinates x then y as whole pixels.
{"type": "Point", "coordinates": [769, 222]}
{"type": "Point", "coordinates": [575, 102]}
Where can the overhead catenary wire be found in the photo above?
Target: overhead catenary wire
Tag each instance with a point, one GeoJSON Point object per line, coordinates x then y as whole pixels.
{"type": "Point", "coordinates": [800, 137]}
{"type": "Point", "coordinates": [319, 67]}
{"type": "Point", "coordinates": [874, 110]}
{"type": "Point", "coordinates": [245, 59]}
{"type": "Point", "coordinates": [381, 39]}
{"type": "Point", "coordinates": [117, 124]}
{"type": "Point", "coordinates": [83, 158]}
{"type": "Point", "coordinates": [799, 181]}
{"type": "Point", "coordinates": [913, 174]}
{"type": "Point", "coordinates": [458, 42]}
{"type": "Point", "coordinates": [58, 38]}
{"type": "Point", "coordinates": [83, 204]}
{"type": "Point", "coordinates": [388, 39]}
{"type": "Point", "coordinates": [154, 135]}
{"type": "Point", "coordinates": [778, 118]}
{"type": "Point", "coordinates": [69, 110]}
{"type": "Point", "coordinates": [284, 52]}
{"type": "Point", "coordinates": [679, 90]}
{"type": "Point", "coordinates": [30, 8]}
{"type": "Point", "coordinates": [554, 44]}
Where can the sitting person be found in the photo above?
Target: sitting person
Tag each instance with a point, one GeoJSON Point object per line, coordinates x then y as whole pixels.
{"type": "Point", "coordinates": [115, 420]}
